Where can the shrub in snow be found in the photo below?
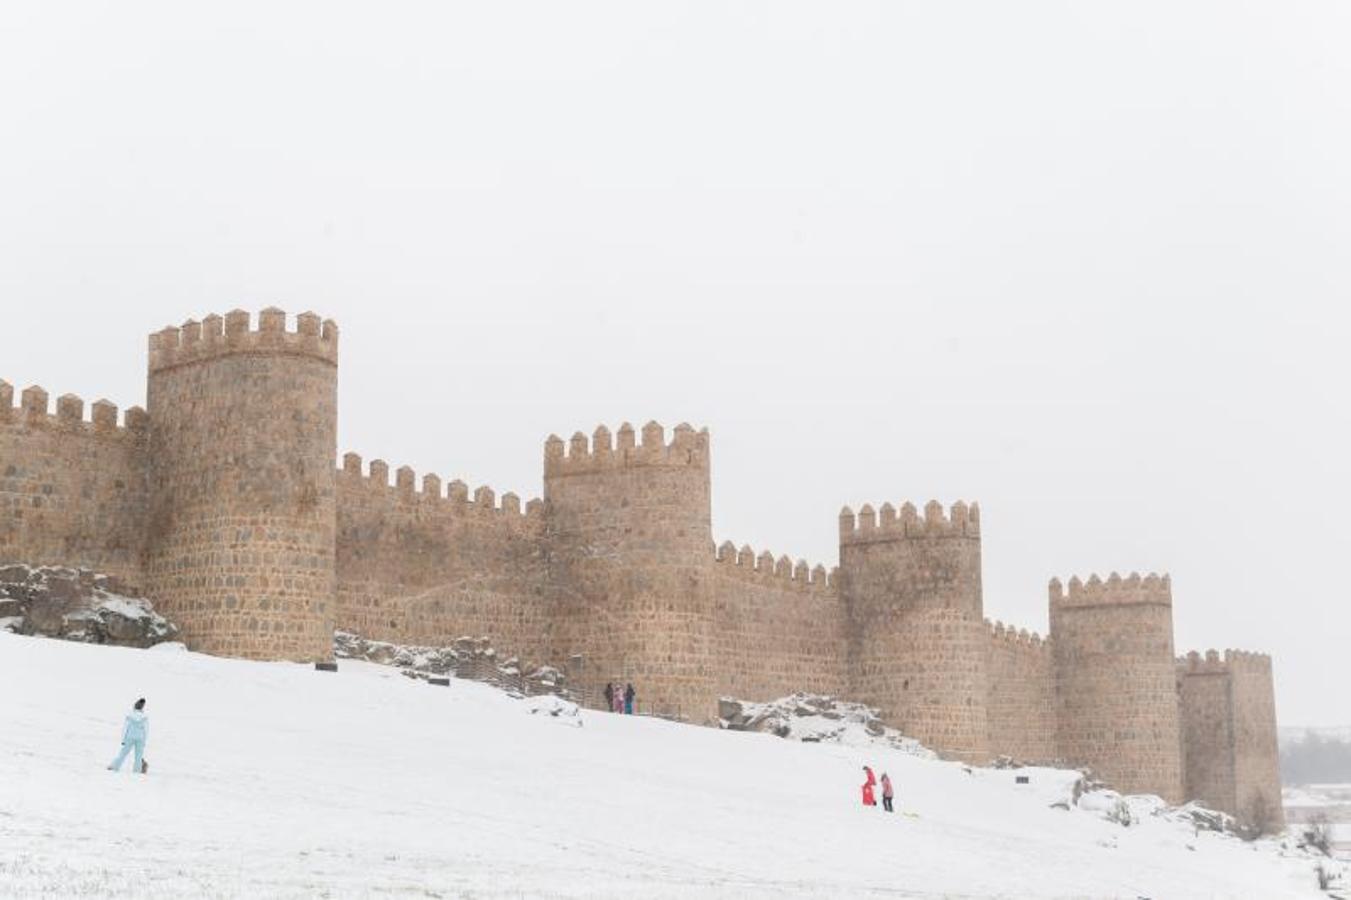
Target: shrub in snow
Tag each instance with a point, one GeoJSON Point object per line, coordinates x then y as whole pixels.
{"type": "Point", "coordinates": [1317, 835]}
{"type": "Point", "coordinates": [1330, 875]}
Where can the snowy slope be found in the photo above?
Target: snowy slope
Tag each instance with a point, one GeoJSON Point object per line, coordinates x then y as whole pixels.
{"type": "Point", "coordinates": [272, 779]}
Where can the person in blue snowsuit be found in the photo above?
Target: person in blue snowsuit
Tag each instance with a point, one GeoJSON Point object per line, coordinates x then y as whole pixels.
{"type": "Point", "coordinates": [135, 732]}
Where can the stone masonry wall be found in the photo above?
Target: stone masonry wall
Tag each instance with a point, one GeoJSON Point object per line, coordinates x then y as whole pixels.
{"type": "Point", "coordinates": [916, 634]}
{"type": "Point", "coordinates": [242, 441]}
{"type": "Point", "coordinates": [778, 627]}
{"type": "Point", "coordinates": [428, 566]}
{"type": "Point", "coordinates": [630, 569]}
{"type": "Point", "coordinates": [1207, 709]}
{"type": "Point", "coordinates": [72, 492]}
{"type": "Point", "coordinates": [1229, 735]}
{"type": "Point", "coordinates": [1257, 776]}
{"type": "Point", "coordinates": [1020, 701]}
{"type": "Point", "coordinates": [1116, 683]}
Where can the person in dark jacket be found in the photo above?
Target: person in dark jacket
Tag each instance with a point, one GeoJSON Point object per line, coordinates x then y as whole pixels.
{"type": "Point", "coordinates": [629, 694]}
{"type": "Point", "coordinates": [135, 732]}
{"type": "Point", "coordinates": [609, 696]}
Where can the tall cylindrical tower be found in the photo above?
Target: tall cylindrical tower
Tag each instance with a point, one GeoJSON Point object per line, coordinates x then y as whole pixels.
{"type": "Point", "coordinates": [917, 636]}
{"type": "Point", "coordinates": [631, 561]}
{"type": "Point", "coordinates": [243, 437]}
{"type": "Point", "coordinates": [1116, 682]}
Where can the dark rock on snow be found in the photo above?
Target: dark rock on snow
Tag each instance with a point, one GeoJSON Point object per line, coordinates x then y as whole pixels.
{"type": "Point", "coordinates": [78, 605]}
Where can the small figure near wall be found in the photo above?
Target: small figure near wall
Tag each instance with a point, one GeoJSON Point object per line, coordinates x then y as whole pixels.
{"type": "Point", "coordinates": [629, 694]}
{"type": "Point", "coordinates": [610, 696]}
{"type": "Point", "coordinates": [135, 732]}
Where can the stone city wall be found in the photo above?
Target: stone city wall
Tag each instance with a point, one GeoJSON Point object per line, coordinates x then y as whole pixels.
{"type": "Point", "coordinates": [629, 533]}
{"type": "Point", "coordinates": [1231, 756]}
{"type": "Point", "coordinates": [1257, 775]}
{"type": "Point", "coordinates": [1116, 682]}
{"type": "Point", "coordinates": [243, 433]}
{"type": "Point", "coordinates": [1020, 701]}
{"type": "Point", "coordinates": [431, 565]}
{"type": "Point", "coordinates": [72, 491]}
{"type": "Point", "coordinates": [916, 632]}
{"type": "Point", "coordinates": [778, 627]}
{"type": "Point", "coordinates": [1206, 703]}
{"type": "Point", "coordinates": [222, 503]}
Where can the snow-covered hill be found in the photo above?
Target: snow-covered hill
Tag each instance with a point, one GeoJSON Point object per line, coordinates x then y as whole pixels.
{"type": "Point", "coordinates": [274, 780]}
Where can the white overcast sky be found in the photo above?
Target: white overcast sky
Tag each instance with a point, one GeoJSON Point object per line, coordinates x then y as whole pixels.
{"type": "Point", "coordinates": [1084, 263]}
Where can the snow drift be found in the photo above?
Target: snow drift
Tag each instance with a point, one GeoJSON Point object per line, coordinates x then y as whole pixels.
{"type": "Point", "coordinates": [272, 779]}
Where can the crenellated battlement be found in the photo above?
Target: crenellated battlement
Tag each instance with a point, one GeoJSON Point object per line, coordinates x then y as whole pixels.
{"type": "Point", "coordinates": [1248, 659]}
{"type": "Point", "coordinates": [765, 568]}
{"type": "Point", "coordinates": [1213, 663]}
{"type": "Point", "coordinates": [453, 496]}
{"type": "Point", "coordinates": [1008, 636]}
{"type": "Point", "coordinates": [233, 334]}
{"type": "Point", "coordinates": [34, 411]}
{"type": "Point", "coordinates": [1152, 589]}
{"type": "Point", "coordinates": [886, 524]}
{"type": "Point", "coordinates": [604, 452]}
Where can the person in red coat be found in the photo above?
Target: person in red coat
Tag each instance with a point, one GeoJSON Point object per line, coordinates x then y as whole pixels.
{"type": "Point", "coordinates": [868, 798]}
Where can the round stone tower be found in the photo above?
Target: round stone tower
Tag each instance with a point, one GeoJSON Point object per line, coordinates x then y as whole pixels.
{"type": "Point", "coordinates": [631, 553]}
{"type": "Point", "coordinates": [1116, 682]}
{"type": "Point", "coordinates": [916, 630]}
{"type": "Point", "coordinates": [243, 437]}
